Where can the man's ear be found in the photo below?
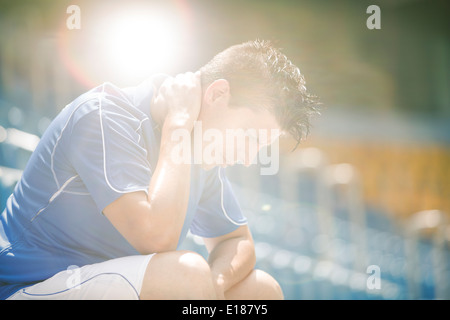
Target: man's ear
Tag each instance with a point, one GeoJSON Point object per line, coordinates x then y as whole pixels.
{"type": "Point", "coordinates": [217, 92]}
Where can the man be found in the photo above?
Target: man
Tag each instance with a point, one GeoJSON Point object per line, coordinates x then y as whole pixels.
{"type": "Point", "coordinates": [103, 203]}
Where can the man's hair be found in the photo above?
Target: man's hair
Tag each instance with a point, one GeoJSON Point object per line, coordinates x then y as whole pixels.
{"type": "Point", "coordinates": [260, 76]}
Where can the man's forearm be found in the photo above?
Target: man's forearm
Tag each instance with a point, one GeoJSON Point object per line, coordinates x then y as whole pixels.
{"type": "Point", "coordinates": [231, 261]}
{"type": "Point", "coordinates": [168, 192]}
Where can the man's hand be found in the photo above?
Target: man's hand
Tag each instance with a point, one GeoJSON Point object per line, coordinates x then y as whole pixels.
{"type": "Point", "coordinates": [231, 258]}
{"type": "Point", "coordinates": [183, 97]}
{"type": "Point", "coordinates": [219, 286]}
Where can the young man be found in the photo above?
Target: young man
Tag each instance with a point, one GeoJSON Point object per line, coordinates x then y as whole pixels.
{"type": "Point", "coordinates": [103, 203]}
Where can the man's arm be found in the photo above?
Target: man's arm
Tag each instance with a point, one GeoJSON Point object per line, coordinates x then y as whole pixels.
{"type": "Point", "coordinates": [231, 258]}
{"type": "Point", "coordinates": [153, 223]}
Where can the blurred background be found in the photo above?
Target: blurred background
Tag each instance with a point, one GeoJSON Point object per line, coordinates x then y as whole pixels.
{"type": "Point", "coordinates": [360, 210]}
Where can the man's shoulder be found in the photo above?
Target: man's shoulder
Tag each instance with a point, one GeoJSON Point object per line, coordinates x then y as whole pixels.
{"type": "Point", "coordinates": [107, 99]}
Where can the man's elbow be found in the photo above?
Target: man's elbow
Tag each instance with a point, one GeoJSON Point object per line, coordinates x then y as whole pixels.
{"type": "Point", "coordinates": [158, 244]}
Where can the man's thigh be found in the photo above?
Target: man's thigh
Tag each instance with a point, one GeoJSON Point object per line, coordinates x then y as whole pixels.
{"type": "Point", "coordinates": [120, 278]}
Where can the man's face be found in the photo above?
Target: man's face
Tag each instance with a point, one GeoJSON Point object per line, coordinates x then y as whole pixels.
{"type": "Point", "coordinates": [233, 135]}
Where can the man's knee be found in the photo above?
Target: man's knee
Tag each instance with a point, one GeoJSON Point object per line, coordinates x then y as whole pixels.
{"type": "Point", "coordinates": [258, 285]}
{"type": "Point", "coordinates": [178, 275]}
{"type": "Point", "coordinates": [195, 269]}
{"type": "Point", "coordinates": [269, 286]}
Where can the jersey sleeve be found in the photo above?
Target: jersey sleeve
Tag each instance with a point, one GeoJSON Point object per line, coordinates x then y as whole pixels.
{"type": "Point", "coordinates": [218, 211]}
{"type": "Point", "coordinates": [107, 153]}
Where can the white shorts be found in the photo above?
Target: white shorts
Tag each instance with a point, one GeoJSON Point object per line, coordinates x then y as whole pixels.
{"type": "Point", "coordinates": [116, 279]}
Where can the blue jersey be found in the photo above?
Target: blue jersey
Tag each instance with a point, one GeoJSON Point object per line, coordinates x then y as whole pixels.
{"type": "Point", "coordinates": [100, 146]}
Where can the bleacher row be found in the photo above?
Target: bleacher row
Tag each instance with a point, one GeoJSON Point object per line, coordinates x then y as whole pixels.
{"type": "Point", "coordinates": [401, 177]}
{"type": "Point", "coordinates": [312, 229]}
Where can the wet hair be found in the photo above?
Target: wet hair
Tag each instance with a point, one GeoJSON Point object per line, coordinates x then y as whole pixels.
{"type": "Point", "coordinates": [261, 76]}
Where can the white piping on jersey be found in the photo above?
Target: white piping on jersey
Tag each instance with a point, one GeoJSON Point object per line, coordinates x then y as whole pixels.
{"type": "Point", "coordinates": [53, 197]}
{"type": "Point", "coordinates": [103, 145]}
{"type": "Point", "coordinates": [139, 127]}
{"type": "Point", "coordinates": [77, 193]}
{"type": "Point", "coordinates": [59, 137]}
{"type": "Point", "coordinates": [60, 188]}
{"type": "Point", "coordinates": [56, 144]}
{"type": "Point", "coordinates": [57, 141]}
{"type": "Point", "coordinates": [103, 139]}
{"type": "Point", "coordinates": [223, 208]}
